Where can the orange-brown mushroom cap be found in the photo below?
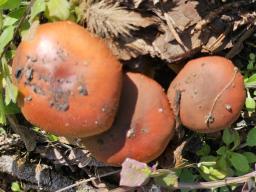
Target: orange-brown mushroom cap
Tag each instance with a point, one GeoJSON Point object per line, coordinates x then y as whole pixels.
{"type": "Point", "coordinates": [143, 127]}
{"type": "Point", "coordinates": [69, 81]}
{"type": "Point", "coordinates": [212, 94]}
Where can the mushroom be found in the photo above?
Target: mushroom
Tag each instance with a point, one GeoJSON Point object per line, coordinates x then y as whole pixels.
{"type": "Point", "coordinates": [69, 81]}
{"type": "Point", "coordinates": [208, 94]}
{"type": "Point", "coordinates": [143, 127]}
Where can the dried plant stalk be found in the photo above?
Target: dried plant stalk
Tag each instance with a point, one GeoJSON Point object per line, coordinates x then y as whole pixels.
{"type": "Point", "coordinates": [111, 20]}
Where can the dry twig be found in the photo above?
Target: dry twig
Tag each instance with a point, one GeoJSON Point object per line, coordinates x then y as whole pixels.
{"type": "Point", "coordinates": [215, 13]}
{"type": "Point", "coordinates": [216, 184]}
{"type": "Point", "coordinates": [86, 181]}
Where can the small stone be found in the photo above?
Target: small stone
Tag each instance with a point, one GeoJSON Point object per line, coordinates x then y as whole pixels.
{"type": "Point", "coordinates": [28, 99]}
{"type": "Point", "coordinates": [130, 133]}
{"type": "Point", "coordinates": [161, 110]}
{"type": "Point", "coordinates": [82, 90]}
{"type": "Point", "coordinates": [228, 107]}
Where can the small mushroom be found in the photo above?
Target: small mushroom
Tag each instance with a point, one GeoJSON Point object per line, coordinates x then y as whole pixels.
{"type": "Point", "coordinates": [212, 94]}
{"type": "Point", "coordinates": [70, 76]}
{"type": "Point", "coordinates": [143, 127]}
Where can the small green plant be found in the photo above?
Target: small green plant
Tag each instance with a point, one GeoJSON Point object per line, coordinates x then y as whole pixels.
{"type": "Point", "coordinates": [230, 158]}
{"type": "Point", "coordinates": [250, 82]}
{"type": "Point", "coordinates": [16, 187]}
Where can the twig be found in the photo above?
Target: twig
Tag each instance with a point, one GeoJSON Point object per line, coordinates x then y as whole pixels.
{"type": "Point", "coordinates": [239, 45]}
{"type": "Point", "coordinates": [173, 31]}
{"type": "Point", "coordinates": [210, 117]}
{"type": "Point", "coordinates": [204, 185]}
{"type": "Point", "coordinates": [87, 180]}
{"type": "Point", "coordinates": [212, 15]}
{"type": "Point", "coordinates": [217, 43]}
{"type": "Point", "coordinates": [64, 157]}
{"type": "Point", "coordinates": [123, 189]}
{"type": "Point", "coordinates": [215, 184]}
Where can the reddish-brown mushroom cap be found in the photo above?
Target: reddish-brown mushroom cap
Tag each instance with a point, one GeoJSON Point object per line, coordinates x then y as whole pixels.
{"type": "Point", "coordinates": [143, 127]}
{"type": "Point", "coordinates": [68, 79]}
{"type": "Point", "coordinates": [212, 94]}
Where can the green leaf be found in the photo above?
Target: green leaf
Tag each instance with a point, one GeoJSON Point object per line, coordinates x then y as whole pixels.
{"type": "Point", "coordinates": [251, 80]}
{"type": "Point", "coordinates": [250, 65]}
{"type": "Point", "coordinates": [222, 150]}
{"type": "Point", "coordinates": [223, 164]}
{"type": "Point", "coordinates": [166, 180]}
{"type": "Point", "coordinates": [204, 169]}
{"type": "Point", "coordinates": [224, 189]}
{"type": "Point", "coordinates": [217, 173]}
{"type": "Point", "coordinates": [11, 91]}
{"type": "Point", "coordinates": [58, 9]}
{"type": "Point", "coordinates": [250, 104]}
{"type": "Point", "coordinates": [237, 139]}
{"type": "Point", "coordinates": [13, 17]}
{"type": "Point", "coordinates": [251, 157]}
{"type": "Point", "coordinates": [2, 115]}
{"type": "Point", "coordinates": [36, 129]}
{"type": "Point", "coordinates": [10, 4]}
{"type": "Point", "coordinates": [205, 150]}
{"type": "Point", "coordinates": [209, 158]}
{"type": "Point", "coordinates": [230, 136]}
{"type": "Point", "coordinates": [227, 136]}
{"type": "Point", "coordinates": [38, 7]}
{"type": "Point", "coordinates": [211, 173]}
{"type": "Point", "coordinates": [2, 108]}
{"type": "Point", "coordinates": [15, 187]}
{"type": "Point", "coordinates": [252, 57]}
{"type": "Point", "coordinates": [1, 20]}
{"type": "Point", "coordinates": [52, 138]}
{"type": "Point", "coordinates": [6, 37]}
{"type": "Point", "coordinates": [2, 2]}
{"type": "Point", "coordinates": [12, 109]}
{"type": "Point", "coordinates": [186, 175]}
{"type": "Point", "coordinates": [8, 21]}
{"type": "Point", "coordinates": [251, 138]}
{"type": "Point", "coordinates": [207, 163]}
{"type": "Point", "coordinates": [239, 162]}
{"type": "Point", "coordinates": [2, 131]}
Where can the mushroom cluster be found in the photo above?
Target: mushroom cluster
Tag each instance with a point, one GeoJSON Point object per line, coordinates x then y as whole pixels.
{"type": "Point", "coordinates": [71, 85]}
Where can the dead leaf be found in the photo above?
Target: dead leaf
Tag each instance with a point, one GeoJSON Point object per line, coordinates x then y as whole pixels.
{"type": "Point", "coordinates": [134, 173]}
